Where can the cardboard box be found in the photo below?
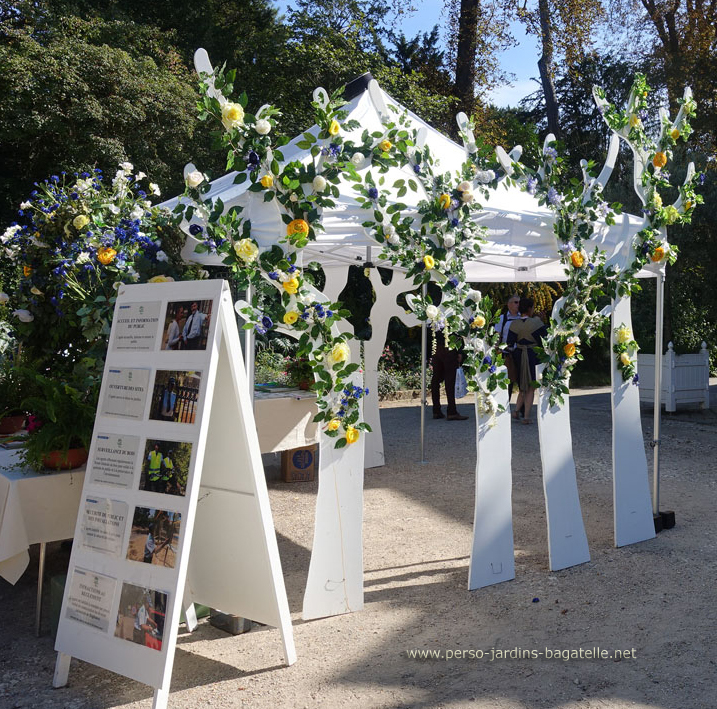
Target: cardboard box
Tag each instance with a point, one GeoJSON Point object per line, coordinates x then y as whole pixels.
{"type": "Point", "coordinates": [299, 464]}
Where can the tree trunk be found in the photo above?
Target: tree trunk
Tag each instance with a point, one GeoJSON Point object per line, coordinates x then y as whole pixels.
{"type": "Point", "coordinates": [545, 65]}
{"type": "Point", "coordinates": [466, 56]}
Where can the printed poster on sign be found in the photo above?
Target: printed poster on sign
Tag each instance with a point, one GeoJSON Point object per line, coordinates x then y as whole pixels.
{"type": "Point", "coordinates": [125, 393]}
{"type": "Point", "coordinates": [165, 467]}
{"type": "Point", "coordinates": [113, 459]}
{"type": "Point", "coordinates": [141, 615]}
{"type": "Point", "coordinates": [103, 525]}
{"type": "Point", "coordinates": [135, 327]}
{"type": "Point", "coordinates": [186, 325]}
{"type": "Point", "coordinates": [155, 536]}
{"type": "Point", "coordinates": [89, 599]}
{"type": "Point", "coordinates": [175, 396]}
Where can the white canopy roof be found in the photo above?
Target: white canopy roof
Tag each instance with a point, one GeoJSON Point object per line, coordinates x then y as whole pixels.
{"type": "Point", "coordinates": [521, 243]}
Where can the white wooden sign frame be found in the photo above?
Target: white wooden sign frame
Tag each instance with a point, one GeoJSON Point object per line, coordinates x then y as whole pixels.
{"type": "Point", "coordinates": [226, 555]}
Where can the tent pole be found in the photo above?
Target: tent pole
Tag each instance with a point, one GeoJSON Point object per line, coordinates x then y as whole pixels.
{"type": "Point", "coordinates": [659, 307]}
{"type": "Point", "coordinates": [424, 345]}
{"type": "Point", "coordinates": [249, 349]}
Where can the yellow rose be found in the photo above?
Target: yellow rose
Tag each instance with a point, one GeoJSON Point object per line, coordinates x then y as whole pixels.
{"type": "Point", "coordinates": [385, 145]}
{"type": "Point", "coordinates": [675, 134]}
{"type": "Point", "coordinates": [478, 321]}
{"type": "Point", "coordinates": [569, 349]}
{"type": "Point", "coordinates": [232, 115]}
{"type": "Point", "coordinates": [339, 353]}
{"type": "Point", "coordinates": [635, 121]}
{"type": "Point", "coordinates": [429, 262]}
{"type": "Point", "coordinates": [334, 128]}
{"type": "Point", "coordinates": [106, 255]}
{"type": "Point", "coordinates": [657, 200]}
{"type": "Point", "coordinates": [267, 181]}
{"type": "Point", "coordinates": [625, 358]}
{"type": "Point", "coordinates": [80, 221]}
{"type": "Point", "coordinates": [246, 250]}
{"type": "Point", "coordinates": [291, 286]}
{"type": "Point", "coordinates": [688, 206]}
{"type": "Point", "coordinates": [161, 279]}
{"type": "Point", "coordinates": [660, 159]}
{"type": "Point", "coordinates": [26, 271]}
{"type": "Point", "coordinates": [444, 201]}
{"type": "Point", "coordinates": [624, 334]}
{"type": "Point", "coordinates": [297, 227]}
{"type": "Point", "coordinates": [290, 317]}
{"type": "Point", "coordinates": [352, 435]}
{"type": "Point", "coordinates": [333, 425]}
{"type": "Point", "coordinates": [658, 254]}
{"type": "Point", "coordinates": [576, 258]}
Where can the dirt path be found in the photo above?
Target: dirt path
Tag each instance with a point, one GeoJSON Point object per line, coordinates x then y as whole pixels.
{"type": "Point", "coordinates": [656, 598]}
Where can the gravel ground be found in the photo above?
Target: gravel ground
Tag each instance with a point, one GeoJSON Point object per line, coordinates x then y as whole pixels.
{"type": "Point", "coordinates": [656, 598]}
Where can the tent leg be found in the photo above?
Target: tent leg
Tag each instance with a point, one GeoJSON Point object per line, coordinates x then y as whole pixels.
{"type": "Point", "coordinates": [424, 344]}
{"type": "Point", "coordinates": [663, 520]}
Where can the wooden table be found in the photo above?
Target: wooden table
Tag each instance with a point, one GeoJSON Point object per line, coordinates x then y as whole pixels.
{"type": "Point", "coordinates": [35, 508]}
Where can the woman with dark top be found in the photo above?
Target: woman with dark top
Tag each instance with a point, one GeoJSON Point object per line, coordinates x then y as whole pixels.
{"type": "Point", "coordinates": [525, 333]}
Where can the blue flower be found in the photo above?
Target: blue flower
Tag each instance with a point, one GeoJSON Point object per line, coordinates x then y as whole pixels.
{"type": "Point", "coordinates": [84, 175]}
{"type": "Point", "coordinates": [454, 280]}
{"type": "Point", "coordinates": [74, 195]}
{"type": "Point", "coordinates": [329, 313]}
{"type": "Point", "coordinates": [702, 178]}
{"type": "Point", "coordinates": [195, 229]}
{"type": "Point", "coordinates": [455, 222]}
{"type": "Point", "coordinates": [492, 369]}
{"type": "Point", "coordinates": [372, 193]}
{"type": "Point", "coordinates": [417, 169]}
{"type": "Point", "coordinates": [531, 185]}
{"type": "Point", "coordinates": [274, 276]}
{"type": "Point", "coordinates": [554, 198]}
{"type": "Point", "coordinates": [487, 360]}
{"type": "Point", "coordinates": [259, 330]}
{"type": "Point", "coordinates": [636, 379]}
{"type": "Point", "coordinates": [267, 322]}
{"type": "Point", "coordinates": [55, 178]}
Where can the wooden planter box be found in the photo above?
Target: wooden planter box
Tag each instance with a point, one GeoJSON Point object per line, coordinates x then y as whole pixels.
{"type": "Point", "coordinates": [685, 378]}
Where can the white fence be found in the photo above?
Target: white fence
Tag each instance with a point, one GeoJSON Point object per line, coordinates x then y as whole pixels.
{"type": "Point", "coordinates": [685, 378]}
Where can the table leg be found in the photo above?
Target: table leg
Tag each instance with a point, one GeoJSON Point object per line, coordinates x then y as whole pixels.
{"type": "Point", "coordinates": [40, 579]}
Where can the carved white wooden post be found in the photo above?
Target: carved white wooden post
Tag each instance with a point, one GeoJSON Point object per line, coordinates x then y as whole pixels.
{"type": "Point", "coordinates": [632, 506]}
{"type": "Point", "coordinates": [492, 556]}
{"type": "Point", "coordinates": [567, 541]}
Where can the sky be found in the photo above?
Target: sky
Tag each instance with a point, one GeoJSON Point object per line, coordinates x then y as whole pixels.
{"type": "Point", "coordinates": [521, 60]}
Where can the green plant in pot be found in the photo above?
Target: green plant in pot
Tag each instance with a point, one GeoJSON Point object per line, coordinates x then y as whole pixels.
{"type": "Point", "coordinates": [60, 421]}
{"type": "Point", "coordinates": [13, 391]}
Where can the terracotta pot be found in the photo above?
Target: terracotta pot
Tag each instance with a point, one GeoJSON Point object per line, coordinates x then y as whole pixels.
{"type": "Point", "coordinates": [59, 460]}
{"type": "Point", "coordinates": [12, 424]}
{"type": "Point", "coordinates": [305, 385]}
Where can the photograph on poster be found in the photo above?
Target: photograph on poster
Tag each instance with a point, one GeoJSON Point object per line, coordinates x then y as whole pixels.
{"type": "Point", "coordinates": [175, 396]}
{"type": "Point", "coordinates": [165, 467]}
{"type": "Point", "coordinates": [155, 536]}
{"type": "Point", "coordinates": [140, 618]}
{"type": "Point", "coordinates": [186, 325]}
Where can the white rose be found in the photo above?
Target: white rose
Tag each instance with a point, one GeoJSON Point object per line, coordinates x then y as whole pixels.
{"type": "Point", "coordinates": [466, 197]}
{"type": "Point", "coordinates": [113, 208]}
{"type": "Point", "coordinates": [293, 197]}
{"type": "Point", "coordinates": [485, 176]}
{"type": "Point", "coordinates": [136, 213]}
{"type": "Point", "coordinates": [23, 315]}
{"type": "Point", "coordinates": [262, 126]}
{"type": "Point", "coordinates": [431, 312]}
{"type": "Point", "coordinates": [140, 176]}
{"type": "Point", "coordinates": [194, 178]}
{"type": "Point", "coordinates": [358, 160]}
{"type": "Point", "coordinates": [9, 233]}
{"type": "Point", "coordinates": [126, 166]}
{"type": "Point", "coordinates": [319, 183]}
{"type": "Point", "coordinates": [161, 256]}
{"type": "Point", "coordinates": [25, 205]}
{"type": "Point", "coordinates": [154, 188]}
{"type": "Point", "coordinates": [393, 239]}
{"type": "Point", "coordinates": [4, 297]}
{"type": "Point", "coordinates": [465, 186]}
{"type": "Point", "coordinates": [449, 242]}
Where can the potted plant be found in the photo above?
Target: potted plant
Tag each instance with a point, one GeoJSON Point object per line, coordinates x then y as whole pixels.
{"type": "Point", "coordinates": [12, 393]}
{"type": "Point", "coordinates": [299, 372]}
{"type": "Point", "coordinates": [60, 421]}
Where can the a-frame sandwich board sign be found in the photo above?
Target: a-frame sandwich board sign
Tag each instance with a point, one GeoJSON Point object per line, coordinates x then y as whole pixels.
{"type": "Point", "coordinates": [174, 505]}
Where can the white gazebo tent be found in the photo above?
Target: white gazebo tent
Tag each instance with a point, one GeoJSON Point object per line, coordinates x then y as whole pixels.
{"type": "Point", "coordinates": [521, 246]}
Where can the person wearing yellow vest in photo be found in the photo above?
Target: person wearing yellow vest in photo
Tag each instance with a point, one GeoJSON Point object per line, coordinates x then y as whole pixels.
{"type": "Point", "coordinates": [168, 476]}
{"type": "Point", "coordinates": [154, 472]}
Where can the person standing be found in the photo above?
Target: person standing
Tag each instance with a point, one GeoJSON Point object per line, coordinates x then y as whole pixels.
{"type": "Point", "coordinates": [525, 333]}
{"type": "Point", "coordinates": [174, 331]}
{"type": "Point", "coordinates": [445, 362]}
{"type": "Point", "coordinates": [502, 327]}
{"type": "Point", "coordinates": [192, 333]}
{"type": "Point", "coordinates": [154, 472]}
{"type": "Point", "coordinates": [168, 401]}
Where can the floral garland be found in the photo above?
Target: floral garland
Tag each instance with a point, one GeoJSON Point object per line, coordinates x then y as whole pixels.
{"type": "Point", "coordinates": [580, 207]}
{"type": "Point", "coordinates": [434, 244]}
{"type": "Point", "coordinates": [301, 191]}
{"type": "Point", "coordinates": [626, 349]}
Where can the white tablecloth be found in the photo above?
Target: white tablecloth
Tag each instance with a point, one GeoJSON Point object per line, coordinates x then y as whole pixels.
{"type": "Point", "coordinates": [34, 508]}
{"type": "Point", "coordinates": [284, 420]}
